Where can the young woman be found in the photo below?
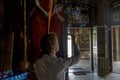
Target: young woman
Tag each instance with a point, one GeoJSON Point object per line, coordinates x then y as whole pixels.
{"type": "Point", "coordinates": [48, 66]}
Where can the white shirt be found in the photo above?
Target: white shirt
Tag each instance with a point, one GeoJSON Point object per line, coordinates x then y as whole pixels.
{"type": "Point", "coordinates": [49, 67]}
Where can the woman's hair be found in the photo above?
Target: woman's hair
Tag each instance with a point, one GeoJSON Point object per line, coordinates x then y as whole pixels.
{"type": "Point", "coordinates": [47, 41]}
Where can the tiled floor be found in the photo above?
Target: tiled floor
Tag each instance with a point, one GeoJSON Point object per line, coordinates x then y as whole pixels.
{"type": "Point", "coordinates": [89, 75]}
{"type": "Point", "coordinates": [93, 76]}
{"type": "Point", "coordinates": [82, 64]}
{"type": "Point", "coordinates": [116, 66]}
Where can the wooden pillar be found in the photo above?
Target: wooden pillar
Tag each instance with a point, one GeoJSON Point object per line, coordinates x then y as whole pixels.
{"type": "Point", "coordinates": [117, 44]}
{"type": "Point", "coordinates": [101, 18]}
{"type": "Point", "coordinates": [50, 15]}
{"type": "Point", "coordinates": [25, 37]}
{"type": "Point", "coordinates": [103, 52]}
{"type": "Point", "coordinates": [102, 37]}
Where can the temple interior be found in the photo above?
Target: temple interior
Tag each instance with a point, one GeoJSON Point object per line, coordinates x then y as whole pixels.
{"type": "Point", "coordinates": [95, 22]}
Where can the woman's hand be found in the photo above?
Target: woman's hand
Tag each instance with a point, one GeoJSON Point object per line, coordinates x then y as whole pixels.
{"type": "Point", "coordinates": [74, 38]}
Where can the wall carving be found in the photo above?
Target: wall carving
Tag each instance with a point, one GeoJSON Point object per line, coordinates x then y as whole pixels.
{"type": "Point", "coordinates": [77, 14]}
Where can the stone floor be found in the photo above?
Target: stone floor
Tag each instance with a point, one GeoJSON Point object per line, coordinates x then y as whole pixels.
{"type": "Point", "coordinates": [116, 67]}
{"type": "Point", "coordinates": [82, 71]}
{"type": "Point", "coordinates": [94, 76]}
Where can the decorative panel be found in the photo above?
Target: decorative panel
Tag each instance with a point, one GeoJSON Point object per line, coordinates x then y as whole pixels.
{"type": "Point", "coordinates": [78, 14]}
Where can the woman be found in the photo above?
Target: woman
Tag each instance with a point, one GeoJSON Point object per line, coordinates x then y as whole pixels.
{"type": "Point", "coordinates": [40, 23]}
{"type": "Point", "coordinates": [48, 66]}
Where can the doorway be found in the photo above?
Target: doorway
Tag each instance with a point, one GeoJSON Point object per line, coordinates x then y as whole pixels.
{"type": "Point", "coordinates": [95, 50]}
{"type": "Point", "coordinates": [116, 48]}
{"type": "Point", "coordinates": [84, 42]}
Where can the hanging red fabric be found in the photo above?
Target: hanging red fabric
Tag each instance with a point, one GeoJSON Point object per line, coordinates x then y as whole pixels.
{"type": "Point", "coordinates": [39, 26]}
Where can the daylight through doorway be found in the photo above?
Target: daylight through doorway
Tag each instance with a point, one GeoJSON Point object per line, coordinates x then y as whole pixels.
{"type": "Point", "coordinates": [84, 43]}
{"type": "Point", "coordinates": [116, 48]}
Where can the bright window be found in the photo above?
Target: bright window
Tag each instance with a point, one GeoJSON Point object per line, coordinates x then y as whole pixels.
{"type": "Point", "coordinates": [69, 50]}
